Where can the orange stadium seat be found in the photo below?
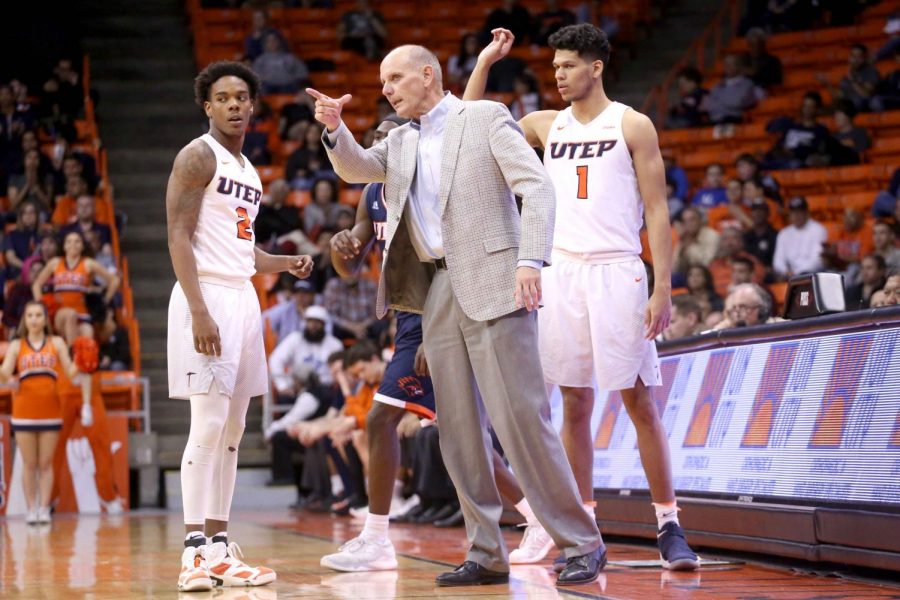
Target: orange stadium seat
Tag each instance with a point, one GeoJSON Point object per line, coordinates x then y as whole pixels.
{"type": "Point", "coordinates": [886, 150]}
{"type": "Point", "coordinates": [309, 16]}
{"type": "Point", "coordinates": [298, 198]}
{"type": "Point", "coordinates": [268, 174]}
{"type": "Point", "coordinates": [350, 196]}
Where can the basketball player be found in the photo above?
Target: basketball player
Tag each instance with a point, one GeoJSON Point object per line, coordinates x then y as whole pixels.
{"type": "Point", "coordinates": [597, 324]}
{"type": "Point", "coordinates": [215, 342]}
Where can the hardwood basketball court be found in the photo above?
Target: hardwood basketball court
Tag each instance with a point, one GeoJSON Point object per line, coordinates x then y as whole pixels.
{"type": "Point", "coordinates": [136, 556]}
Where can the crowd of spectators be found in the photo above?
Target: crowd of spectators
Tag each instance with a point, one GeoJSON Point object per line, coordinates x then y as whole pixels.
{"type": "Point", "coordinates": [52, 187]}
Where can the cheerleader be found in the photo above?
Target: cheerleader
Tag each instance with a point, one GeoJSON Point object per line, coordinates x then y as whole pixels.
{"type": "Point", "coordinates": [38, 355]}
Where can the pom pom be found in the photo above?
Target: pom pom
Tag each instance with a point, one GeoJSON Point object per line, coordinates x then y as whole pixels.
{"type": "Point", "coordinates": [86, 354]}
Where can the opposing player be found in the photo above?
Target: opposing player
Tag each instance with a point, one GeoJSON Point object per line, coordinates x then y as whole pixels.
{"type": "Point", "coordinates": [401, 389]}
{"type": "Point", "coordinates": [215, 341]}
{"type": "Point", "coordinates": [37, 356]}
{"type": "Point", "coordinates": [597, 324]}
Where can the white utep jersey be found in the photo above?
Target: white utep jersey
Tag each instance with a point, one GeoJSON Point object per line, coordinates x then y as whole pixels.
{"type": "Point", "coordinates": [599, 211]}
{"type": "Point", "coordinates": [224, 240]}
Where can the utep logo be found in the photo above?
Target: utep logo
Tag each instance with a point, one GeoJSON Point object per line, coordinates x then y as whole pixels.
{"type": "Point", "coordinates": [846, 373]}
{"type": "Point", "coordinates": [378, 227]}
{"type": "Point", "coordinates": [769, 395]}
{"type": "Point", "coordinates": [412, 386]}
{"type": "Point", "coordinates": [241, 191]}
{"type": "Point", "coordinates": [588, 149]}
{"type": "Point", "coordinates": [708, 399]}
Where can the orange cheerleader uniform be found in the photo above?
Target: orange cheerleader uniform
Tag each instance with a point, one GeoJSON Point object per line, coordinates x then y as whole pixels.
{"type": "Point", "coordinates": [35, 406]}
{"type": "Point", "coordinates": [70, 286]}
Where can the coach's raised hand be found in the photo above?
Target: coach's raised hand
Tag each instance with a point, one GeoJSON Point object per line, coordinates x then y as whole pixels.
{"type": "Point", "coordinates": [328, 110]}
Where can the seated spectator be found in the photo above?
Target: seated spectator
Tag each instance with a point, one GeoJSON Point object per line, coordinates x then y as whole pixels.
{"type": "Point", "coordinates": [549, 21]}
{"type": "Point", "coordinates": [32, 184]}
{"type": "Point", "coordinates": [350, 301]}
{"type": "Point", "coordinates": [853, 140]}
{"type": "Point", "coordinates": [345, 218]}
{"type": "Point", "coordinates": [762, 67]}
{"type": "Point", "coordinates": [283, 446]}
{"type": "Point", "coordinates": [713, 191]}
{"type": "Point", "coordinates": [103, 253]}
{"type": "Point", "coordinates": [287, 317]}
{"type": "Point", "coordinates": [686, 319]}
{"type": "Point", "coordinates": [760, 238]}
{"type": "Point", "coordinates": [15, 158]}
{"type": "Point", "coordinates": [748, 168]}
{"type": "Point", "coordinates": [275, 217]}
{"type": "Point", "coordinates": [22, 241]}
{"type": "Point", "coordinates": [461, 65]}
{"type": "Point", "coordinates": [731, 247]}
{"type": "Point", "coordinates": [302, 353]}
{"type": "Point", "coordinates": [878, 299]}
{"type": "Point", "coordinates": [689, 111]}
{"type": "Point", "coordinates": [872, 278]}
{"type": "Point", "coordinates": [280, 72]}
{"type": "Point", "coordinates": [308, 162]}
{"type": "Point", "coordinates": [700, 287]}
{"type": "Point", "coordinates": [887, 96]}
{"type": "Point", "coordinates": [851, 243]}
{"type": "Point", "coordinates": [85, 221]}
{"type": "Point", "coordinates": [503, 74]}
{"type": "Point", "coordinates": [362, 30]}
{"type": "Point", "coordinates": [732, 214]}
{"type": "Point", "coordinates": [510, 15]}
{"type": "Point", "coordinates": [802, 141]}
{"type": "Point", "coordinates": [697, 243]}
{"type": "Point", "coordinates": [749, 304]}
{"type": "Point", "coordinates": [884, 242]}
{"type": "Point", "coordinates": [528, 96]}
{"type": "Point", "coordinates": [323, 210]}
{"type": "Point", "coordinates": [323, 270]}
{"type": "Point", "coordinates": [860, 83]}
{"type": "Point", "coordinates": [789, 15]}
{"type": "Point", "coordinates": [798, 248]}
{"type": "Point", "coordinates": [886, 201]}
{"type": "Point", "coordinates": [730, 98]}
{"type": "Point", "coordinates": [676, 175]}
{"type": "Point", "coordinates": [743, 269]}
{"type": "Point", "coordinates": [296, 117]}
{"type": "Point", "coordinates": [254, 45]}
{"type": "Point", "coordinates": [19, 295]}
{"type": "Point", "coordinates": [13, 122]}
{"type": "Point", "coordinates": [754, 192]}
{"type": "Point", "coordinates": [68, 162]}
{"type": "Point", "coordinates": [892, 290]}
{"type": "Point", "coordinates": [115, 351]}
{"type": "Point", "coordinates": [676, 204]}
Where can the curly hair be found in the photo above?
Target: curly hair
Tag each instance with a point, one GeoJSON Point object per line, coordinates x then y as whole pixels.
{"type": "Point", "coordinates": [223, 68]}
{"type": "Point", "coordinates": [589, 41]}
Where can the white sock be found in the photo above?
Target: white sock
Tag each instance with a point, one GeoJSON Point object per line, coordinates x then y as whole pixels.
{"type": "Point", "coordinates": [337, 485]}
{"type": "Point", "coordinates": [665, 513]}
{"type": "Point", "coordinates": [208, 415]}
{"type": "Point", "coordinates": [525, 509]}
{"type": "Point", "coordinates": [376, 527]}
{"type": "Point", "coordinates": [222, 535]}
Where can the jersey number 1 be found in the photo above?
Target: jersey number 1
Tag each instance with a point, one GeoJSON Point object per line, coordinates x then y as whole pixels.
{"type": "Point", "coordinates": [244, 226]}
{"type": "Point", "coordinates": [582, 181]}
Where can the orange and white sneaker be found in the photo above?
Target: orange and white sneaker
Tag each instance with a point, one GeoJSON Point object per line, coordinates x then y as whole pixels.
{"type": "Point", "coordinates": [194, 576]}
{"type": "Point", "coordinates": [227, 568]}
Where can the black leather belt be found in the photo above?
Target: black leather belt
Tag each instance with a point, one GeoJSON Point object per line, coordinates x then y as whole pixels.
{"type": "Point", "coordinates": [441, 263]}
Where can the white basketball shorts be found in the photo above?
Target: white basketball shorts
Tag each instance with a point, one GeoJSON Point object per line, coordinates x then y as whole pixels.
{"type": "Point", "coordinates": [240, 371]}
{"type": "Point", "coordinates": [592, 324]}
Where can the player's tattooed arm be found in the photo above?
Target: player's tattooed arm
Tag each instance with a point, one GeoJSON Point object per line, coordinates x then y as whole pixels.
{"type": "Point", "coordinates": [194, 168]}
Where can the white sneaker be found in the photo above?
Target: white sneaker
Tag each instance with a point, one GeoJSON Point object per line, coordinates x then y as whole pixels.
{"type": "Point", "coordinates": [535, 545]}
{"type": "Point", "coordinates": [114, 507]}
{"type": "Point", "coordinates": [31, 517]}
{"type": "Point", "coordinates": [43, 514]}
{"type": "Point", "coordinates": [227, 568]}
{"type": "Point", "coordinates": [361, 554]}
{"type": "Point", "coordinates": [194, 576]}
{"type": "Point", "coordinates": [402, 507]}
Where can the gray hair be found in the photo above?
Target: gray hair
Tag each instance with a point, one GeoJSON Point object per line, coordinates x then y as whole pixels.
{"type": "Point", "coordinates": [422, 56]}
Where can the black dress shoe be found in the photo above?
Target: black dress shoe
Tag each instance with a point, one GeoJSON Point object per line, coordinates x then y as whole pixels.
{"type": "Point", "coordinates": [471, 573]}
{"type": "Point", "coordinates": [583, 569]}
{"type": "Point", "coordinates": [454, 520]}
{"type": "Point", "coordinates": [445, 511]}
{"type": "Point", "coordinates": [411, 514]}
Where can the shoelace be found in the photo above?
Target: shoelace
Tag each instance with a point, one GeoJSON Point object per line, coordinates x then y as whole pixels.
{"type": "Point", "coordinates": [353, 544]}
{"type": "Point", "coordinates": [235, 552]}
{"type": "Point", "coordinates": [531, 537]}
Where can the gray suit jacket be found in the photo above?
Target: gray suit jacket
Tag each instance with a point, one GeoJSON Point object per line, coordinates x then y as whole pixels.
{"type": "Point", "coordinates": [485, 162]}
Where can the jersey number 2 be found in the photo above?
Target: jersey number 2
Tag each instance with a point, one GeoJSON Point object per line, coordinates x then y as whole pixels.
{"type": "Point", "coordinates": [582, 181]}
{"type": "Point", "coordinates": [244, 226]}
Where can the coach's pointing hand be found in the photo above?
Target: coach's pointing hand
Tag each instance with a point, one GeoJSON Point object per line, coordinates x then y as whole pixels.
{"type": "Point", "coordinates": [328, 110]}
